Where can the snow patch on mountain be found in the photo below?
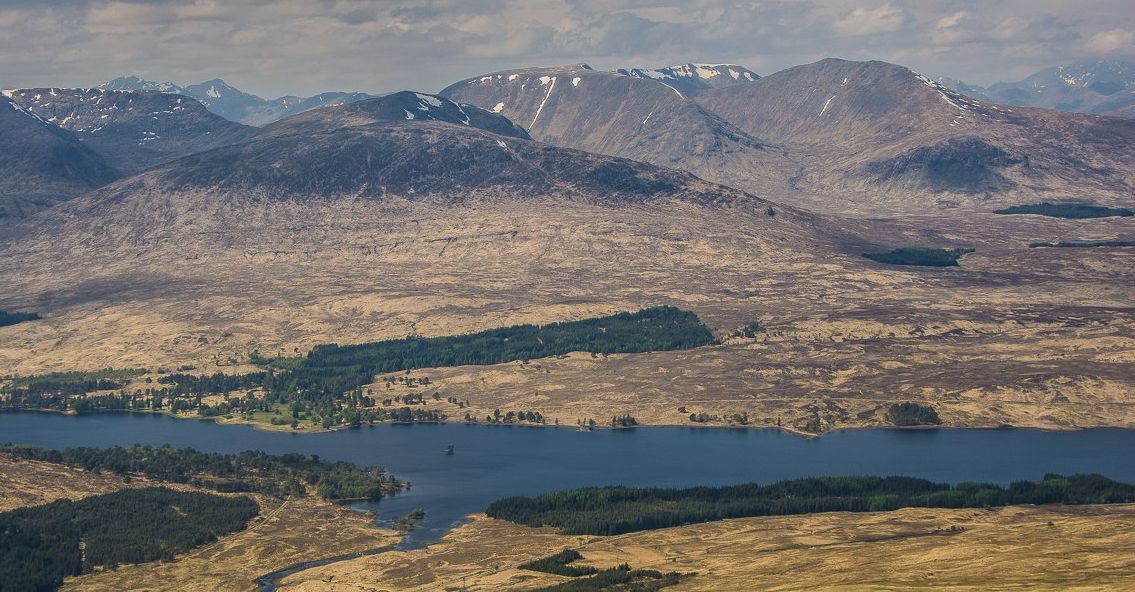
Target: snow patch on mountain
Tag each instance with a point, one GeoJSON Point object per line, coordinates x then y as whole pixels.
{"type": "Point", "coordinates": [432, 100]}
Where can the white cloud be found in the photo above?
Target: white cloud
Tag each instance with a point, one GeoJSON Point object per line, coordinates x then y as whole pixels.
{"type": "Point", "coordinates": [952, 21]}
{"type": "Point", "coordinates": [275, 47]}
{"type": "Point", "coordinates": [871, 21]}
{"type": "Point", "coordinates": [1009, 28]}
{"type": "Point", "coordinates": [1110, 42]}
{"type": "Point", "coordinates": [952, 29]}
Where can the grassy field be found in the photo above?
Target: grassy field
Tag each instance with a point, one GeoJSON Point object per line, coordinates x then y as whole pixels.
{"type": "Point", "coordinates": [1020, 336]}
{"type": "Point", "coordinates": [1013, 548]}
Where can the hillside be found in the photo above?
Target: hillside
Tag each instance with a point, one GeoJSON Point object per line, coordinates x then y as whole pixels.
{"type": "Point", "coordinates": [415, 227]}
{"type": "Point", "coordinates": [395, 226]}
{"type": "Point", "coordinates": [641, 118]}
{"type": "Point", "coordinates": [41, 164]}
{"type": "Point", "coordinates": [400, 106]}
{"type": "Point", "coordinates": [869, 138]}
{"type": "Point", "coordinates": [133, 130]}
{"type": "Point", "coordinates": [885, 139]}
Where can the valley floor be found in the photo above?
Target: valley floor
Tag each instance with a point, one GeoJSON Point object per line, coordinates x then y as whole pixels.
{"type": "Point", "coordinates": [1014, 336]}
{"type": "Point", "coordinates": [1035, 548]}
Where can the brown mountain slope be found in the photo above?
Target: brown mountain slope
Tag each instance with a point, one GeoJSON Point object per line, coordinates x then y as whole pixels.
{"type": "Point", "coordinates": [638, 118]}
{"type": "Point", "coordinates": [400, 106]}
{"type": "Point", "coordinates": [372, 231]}
{"type": "Point", "coordinates": [133, 130]}
{"type": "Point", "coordinates": [420, 227]}
{"type": "Point", "coordinates": [876, 137]}
{"type": "Point", "coordinates": [41, 164]}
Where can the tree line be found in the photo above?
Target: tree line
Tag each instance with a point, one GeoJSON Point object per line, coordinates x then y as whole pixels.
{"type": "Point", "coordinates": [618, 510]}
{"type": "Point", "coordinates": [912, 414]}
{"type": "Point", "coordinates": [328, 382]}
{"type": "Point", "coordinates": [924, 256]}
{"type": "Point", "coordinates": [248, 471]}
{"type": "Point", "coordinates": [11, 318]}
{"type": "Point", "coordinates": [41, 545]}
{"type": "Point", "coordinates": [1066, 210]}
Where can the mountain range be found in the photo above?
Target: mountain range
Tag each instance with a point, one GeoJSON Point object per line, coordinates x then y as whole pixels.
{"type": "Point", "coordinates": [133, 130]}
{"type": "Point", "coordinates": [236, 105]}
{"type": "Point", "coordinates": [177, 238]}
{"type": "Point", "coordinates": [879, 136]}
{"type": "Point", "coordinates": [1103, 87]}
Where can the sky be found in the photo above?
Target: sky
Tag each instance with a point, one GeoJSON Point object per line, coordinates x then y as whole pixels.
{"type": "Point", "coordinates": [278, 47]}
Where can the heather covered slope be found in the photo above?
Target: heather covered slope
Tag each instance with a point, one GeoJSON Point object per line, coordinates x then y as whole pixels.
{"type": "Point", "coordinates": [483, 228]}
{"type": "Point", "coordinates": [41, 164]}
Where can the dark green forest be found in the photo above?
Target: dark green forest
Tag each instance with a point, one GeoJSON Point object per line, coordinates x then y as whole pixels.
{"type": "Point", "coordinates": [327, 384]}
{"type": "Point", "coordinates": [249, 471]}
{"type": "Point", "coordinates": [924, 256]}
{"type": "Point", "coordinates": [560, 564]}
{"type": "Point", "coordinates": [1066, 210]}
{"type": "Point", "coordinates": [41, 545]}
{"type": "Point", "coordinates": [618, 510]}
{"type": "Point", "coordinates": [621, 578]}
{"type": "Point", "coordinates": [618, 579]}
{"type": "Point", "coordinates": [912, 414]}
{"type": "Point", "coordinates": [1082, 244]}
{"type": "Point", "coordinates": [11, 318]}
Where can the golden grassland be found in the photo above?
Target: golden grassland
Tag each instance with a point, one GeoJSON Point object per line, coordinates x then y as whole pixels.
{"type": "Point", "coordinates": [285, 533]}
{"type": "Point", "coordinates": [1013, 548]}
{"type": "Point", "coordinates": [33, 483]}
{"type": "Point", "coordinates": [1028, 337]}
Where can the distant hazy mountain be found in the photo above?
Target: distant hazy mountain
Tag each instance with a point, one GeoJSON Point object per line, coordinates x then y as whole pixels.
{"type": "Point", "coordinates": [41, 164]}
{"type": "Point", "coordinates": [694, 78]}
{"type": "Point", "coordinates": [133, 129]}
{"type": "Point", "coordinates": [1103, 87]}
{"type": "Point", "coordinates": [236, 105]}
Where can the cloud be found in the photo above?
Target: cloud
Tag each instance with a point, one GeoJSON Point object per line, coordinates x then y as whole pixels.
{"type": "Point", "coordinates": [953, 29]}
{"type": "Point", "coordinates": [1009, 28]}
{"type": "Point", "coordinates": [871, 21]}
{"type": "Point", "coordinates": [276, 47]}
{"type": "Point", "coordinates": [1110, 42]}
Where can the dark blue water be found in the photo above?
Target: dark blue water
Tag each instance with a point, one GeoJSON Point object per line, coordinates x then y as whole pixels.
{"type": "Point", "coordinates": [494, 462]}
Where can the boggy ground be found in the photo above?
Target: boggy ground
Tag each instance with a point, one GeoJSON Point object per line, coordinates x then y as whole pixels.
{"type": "Point", "coordinates": [1034, 548]}
{"type": "Point", "coordinates": [1036, 337]}
{"type": "Point", "coordinates": [285, 533]}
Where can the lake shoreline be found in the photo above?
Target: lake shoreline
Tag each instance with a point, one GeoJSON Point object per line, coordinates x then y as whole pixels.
{"type": "Point", "coordinates": [492, 464]}
{"type": "Point", "coordinates": [286, 429]}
